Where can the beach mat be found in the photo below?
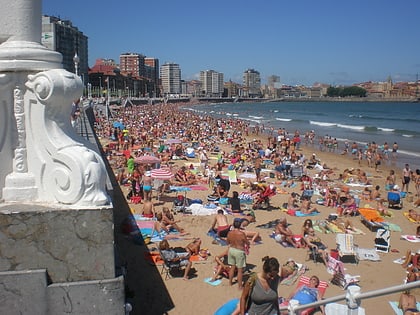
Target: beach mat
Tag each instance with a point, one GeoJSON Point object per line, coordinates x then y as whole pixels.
{"type": "Point", "coordinates": [213, 283]}
{"type": "Point", "coordinates": [269, 225]}
{"type": "Point", "coordinates": [300, 214]}
{"type": "Point", "coordinates": [216, 238]}
{"type": "Point", "coordinates": [406, 214]}
{"type": "Point", "coordinates": [367, 254]}
{"type": "Point", "coordinates": [411, 238]}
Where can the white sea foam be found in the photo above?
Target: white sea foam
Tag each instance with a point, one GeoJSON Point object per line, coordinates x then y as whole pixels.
{"type": "Point", "coordinates": [324, 124]}
{"type": "Point", "coordinates": [386, 129]}
{"type": "Point", "coordinates": [351, 127]}
{"type": "Point", "coordinates": [256, 117]}
{"type": "Point", "coordinates": [228, 114]}
{"type": "Point", "coordinates": [283, 119]}
{"type": "Point", "coordinates": [408, 136]}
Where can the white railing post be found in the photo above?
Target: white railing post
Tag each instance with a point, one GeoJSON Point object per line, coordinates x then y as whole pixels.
{"type": "Point", "coordinates": [352, 299]}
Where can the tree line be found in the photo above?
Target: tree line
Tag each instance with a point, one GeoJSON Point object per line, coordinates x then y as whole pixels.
{"type": "Point", "coordinates": [346, 91]}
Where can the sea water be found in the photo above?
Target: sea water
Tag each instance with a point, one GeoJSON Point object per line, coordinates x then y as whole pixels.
{"type": "Point", "coordinates": [360, 122]}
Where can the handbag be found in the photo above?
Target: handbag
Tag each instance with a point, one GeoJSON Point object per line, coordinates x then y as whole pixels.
{"type": "Point", "coordinates": [339, 279]}
{"type": "Point", "coordinates": [251, 280]}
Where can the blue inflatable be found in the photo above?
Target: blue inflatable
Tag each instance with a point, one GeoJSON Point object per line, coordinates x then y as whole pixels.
{"type": "Point", "coordinates": [227, 308]}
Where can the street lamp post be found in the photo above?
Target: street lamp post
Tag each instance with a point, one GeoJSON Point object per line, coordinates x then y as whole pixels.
{"type": "Point", "coordinates": [76, 61]}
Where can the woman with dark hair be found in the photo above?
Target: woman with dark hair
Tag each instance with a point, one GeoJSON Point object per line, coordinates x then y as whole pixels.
{"type": "Point", "coordinates": [259, 296]}
{"type": "Point", "coordinates": [235, 203]}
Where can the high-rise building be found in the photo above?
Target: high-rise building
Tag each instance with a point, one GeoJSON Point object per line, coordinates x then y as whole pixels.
{"type": "Point", "coordinates": [170, 75]}
{"type": "Point", "coordinates": [211, 83]}
{"type": "Point", "coordinates": [252, 83]}
{"type": "Point", "coordinates": [133, 64]}
{"type": "Point", "coordinates": [152, 69]}
{"type": "Point", "coordinates": [61, 36]}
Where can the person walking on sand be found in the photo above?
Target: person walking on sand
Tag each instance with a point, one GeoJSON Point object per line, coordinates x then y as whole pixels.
{"type": "Point", "coordinates": [406, 177]}
{"type": "Point", "coordinates": [257, 168]}
{"type": "Point", "coordinates": [238, 243]}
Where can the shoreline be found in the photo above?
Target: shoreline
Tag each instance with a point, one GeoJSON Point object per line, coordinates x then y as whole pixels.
{"type": "Point", "coordinates": [403, 158]}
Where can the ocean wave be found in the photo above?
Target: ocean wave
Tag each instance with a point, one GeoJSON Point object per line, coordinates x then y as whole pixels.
{"type": "Point", "coordinates": [408, 136]}
{"type": "Point", "coordinates": [255, 117]}
{"type": "Point", "coordinates": [283, 119]}
{"type": "Point", "coordinates": [352, 127]}
{"type": "Point", "coordinates": [323, 124]}
{"type": "Point", "coordinates": [376, 118]}
{"type": "Point", "coordinates": [386, 129]}
{"type": "Point", "coordinates": [258, 121]}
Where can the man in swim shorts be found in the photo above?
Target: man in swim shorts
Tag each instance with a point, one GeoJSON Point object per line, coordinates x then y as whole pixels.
{"type": "Point", "coordinates": [408, 303]}
{"type": "Point", "coordinates": [238, 244]}
{"type": "Point", "coordinates": [221, 221]}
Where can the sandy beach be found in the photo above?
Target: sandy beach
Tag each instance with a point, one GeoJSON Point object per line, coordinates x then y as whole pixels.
{"type": "Point", "coordinates": [197, 296]}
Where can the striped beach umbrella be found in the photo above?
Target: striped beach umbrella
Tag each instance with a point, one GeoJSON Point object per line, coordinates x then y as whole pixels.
{"type": "Point", "coordinates": [161, 173]}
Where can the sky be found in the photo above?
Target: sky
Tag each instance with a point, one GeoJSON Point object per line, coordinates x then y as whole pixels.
{"type": "Point", "coordinates": [301, 41]}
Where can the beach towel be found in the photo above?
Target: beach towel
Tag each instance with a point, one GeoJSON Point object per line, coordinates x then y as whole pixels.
{"type": "Point", "coordinates": [406, 214]}
{"type": "Point", "coordinates": [411, 238]}
{"type": "Point", "coordinates": [397, 310]}
{"type": "Point", "coordinates": [213, 283]}
{"type": "Point", "coordinates": [216, 238]}
{"type": "Point", "coordinates": [153, 258]}
{"type": "Point", "coordinates": [290, 280]}
{"type": "Point", "coordinates": [392, 227]}
{"type": "Point", "coordinates": [198, 209]}
{"type": "Point", "coordinates": [367, 254]}
{"type": "Point", "coordinates": [269, 225]}
{"type": "Point", "coordinates": [300, 214]}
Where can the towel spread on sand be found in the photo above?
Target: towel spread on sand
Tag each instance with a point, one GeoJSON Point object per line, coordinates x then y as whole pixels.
{"type": "Point", "coordinates": [216, 238]}
{"type": "Point", "coordinates": [411, 238]}
{"type": "Point", "coordinates": [213, 283]}
{"type": "Point", "coordinates": [367, 254]}
{"type": "Point", "coordinates": [406, 214]}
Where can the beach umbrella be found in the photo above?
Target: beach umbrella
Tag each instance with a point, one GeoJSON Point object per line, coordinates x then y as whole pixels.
{"type": "Point", "coordinates": [161, 173]}
{"type": "Point", "coordinates": [173, 141]}
{"type": "Point", "coordinates": [119, 125]}
{"type": "Point", "coordinates": [147, 159]}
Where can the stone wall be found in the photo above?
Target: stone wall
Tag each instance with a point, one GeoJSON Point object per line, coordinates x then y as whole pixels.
{"type": "Point", "coordinates": [71, 244]}
{"type": "Point", "coordinates": [28, 292]}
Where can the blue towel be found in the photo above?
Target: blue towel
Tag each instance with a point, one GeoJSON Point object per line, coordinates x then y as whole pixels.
{"type": "Point", "coordinates": [214, 283]}
{"type": "Point", "coordinates": [216, 237]}
{"type": "Point", "coordinates": [300, 214]}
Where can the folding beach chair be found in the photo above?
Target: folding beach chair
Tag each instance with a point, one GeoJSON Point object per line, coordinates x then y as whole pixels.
{"type": "Point", "coordinates": [346, 248]}
{"type": "Point", "coordinates": [382, 240]}
{"type": "Point", "coordinates": [304, 280]}
{"type": "Point", "coordinates": [232, 177]}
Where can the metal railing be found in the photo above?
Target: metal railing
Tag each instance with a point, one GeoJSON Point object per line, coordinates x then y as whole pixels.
{"type": "Point", "coordinates": [353, 298]}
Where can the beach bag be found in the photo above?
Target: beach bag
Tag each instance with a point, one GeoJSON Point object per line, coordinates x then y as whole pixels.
{"type": "Point", "coordinates": [251, 280]}
{"type": "Point", "coordinates": [338, 279]}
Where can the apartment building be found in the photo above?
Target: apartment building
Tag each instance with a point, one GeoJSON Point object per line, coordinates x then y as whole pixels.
{"type": "Point", "coordinates": [251, 83]}
{"type": "Point", "coordinates": [170, 75]}
{"type": "Point", "coordinates": [61, 36]}
{"type": "Point", "coordinates": [211, 83]}
{"type": "Point", "coordinates": [133, 64]}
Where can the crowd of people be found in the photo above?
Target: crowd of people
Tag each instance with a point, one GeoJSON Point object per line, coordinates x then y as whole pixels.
{"type": "Point", "coordinates": [150, 131]}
